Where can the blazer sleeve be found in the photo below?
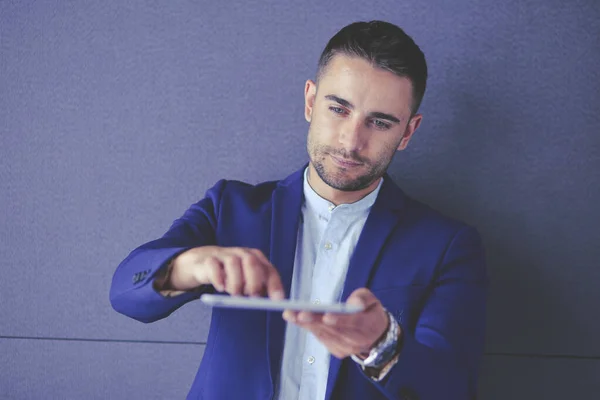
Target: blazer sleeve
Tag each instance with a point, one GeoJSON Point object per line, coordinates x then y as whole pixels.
{"type": "Point", "coordinates": [440, 358]}
{"type": "Point", "coordinates": [132, 292]}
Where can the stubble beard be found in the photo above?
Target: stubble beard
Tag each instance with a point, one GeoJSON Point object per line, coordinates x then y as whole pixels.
{"type": "Point", "coordinates": [338, 180]}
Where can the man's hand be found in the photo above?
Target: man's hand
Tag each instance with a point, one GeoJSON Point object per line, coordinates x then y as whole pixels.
{"type": "Point", "coordinates": [234, 270]}
{"type": "Point", "coordinates": [346, 334]}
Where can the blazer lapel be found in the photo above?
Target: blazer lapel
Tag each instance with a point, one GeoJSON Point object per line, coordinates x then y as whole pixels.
{"type": "Point", "coordinates": [286, 202]}
{"type": "Point", "coordinates": [383, 218]}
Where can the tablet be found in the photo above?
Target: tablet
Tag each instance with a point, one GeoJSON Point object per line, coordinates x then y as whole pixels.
{"type": "Point", "coordinates": [262, 303]}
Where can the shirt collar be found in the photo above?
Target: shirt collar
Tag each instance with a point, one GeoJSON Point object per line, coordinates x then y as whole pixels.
{"type": "Point", "coordinates": [324, 207]}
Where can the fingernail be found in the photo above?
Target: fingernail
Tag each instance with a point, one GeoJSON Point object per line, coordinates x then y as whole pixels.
{"type": "Point", "coordinates": [329, 320]}
{"type": "Point", "coordinates": [355, 301]}
{"type": "Point", "coordinates": [277, 295]}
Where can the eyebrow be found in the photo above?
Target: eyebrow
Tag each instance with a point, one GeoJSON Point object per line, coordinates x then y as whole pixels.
{"type": "Point", "coordinates": [374, 114]}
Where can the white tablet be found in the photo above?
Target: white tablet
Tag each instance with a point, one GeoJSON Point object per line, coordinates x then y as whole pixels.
{"type": "Point", "coordinates": [262, 303]}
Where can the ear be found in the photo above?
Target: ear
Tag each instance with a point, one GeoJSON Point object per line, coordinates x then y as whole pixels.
{"type": "Point", "coordinates": [412, 126]}
{"type": "Point", "coordinates": [310, 93]}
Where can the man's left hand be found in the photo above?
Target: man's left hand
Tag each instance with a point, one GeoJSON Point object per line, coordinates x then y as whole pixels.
{"type": "Point", "coordinates": [346, 334]}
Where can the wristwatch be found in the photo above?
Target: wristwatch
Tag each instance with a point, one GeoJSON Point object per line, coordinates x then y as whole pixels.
{"type": "Point", "coordinates": [384, 351]}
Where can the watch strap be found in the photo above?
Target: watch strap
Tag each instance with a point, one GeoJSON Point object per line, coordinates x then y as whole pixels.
{"type": "Point", "coordinates": [385, 350]}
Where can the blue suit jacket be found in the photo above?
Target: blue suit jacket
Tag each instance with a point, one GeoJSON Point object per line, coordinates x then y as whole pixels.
{"type": "Point", "coordinates": [426, 269]}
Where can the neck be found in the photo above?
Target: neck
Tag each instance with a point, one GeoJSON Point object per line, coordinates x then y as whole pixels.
{"type": "Point", "coordinates": [337, 196]}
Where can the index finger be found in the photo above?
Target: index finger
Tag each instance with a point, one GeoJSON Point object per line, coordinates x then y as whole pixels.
{"type": "Point", "coordinates": [274, 286]}
{"type": "Point", "coordinates": [339, 319]}
{"type": "Point", "coordinates": [343, 319]}
{"type": "Point", "coordinates": [261, 257]}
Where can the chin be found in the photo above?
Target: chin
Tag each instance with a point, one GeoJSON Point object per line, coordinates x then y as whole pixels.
{"type": "Point", "coordinates": [346, 183]}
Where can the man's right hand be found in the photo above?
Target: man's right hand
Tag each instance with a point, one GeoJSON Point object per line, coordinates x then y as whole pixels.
{"type": "Point", "coordinates": [234, 270]}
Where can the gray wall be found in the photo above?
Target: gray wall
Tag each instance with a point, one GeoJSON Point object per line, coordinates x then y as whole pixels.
{"type": "Point", "coordinates": [115, 116]}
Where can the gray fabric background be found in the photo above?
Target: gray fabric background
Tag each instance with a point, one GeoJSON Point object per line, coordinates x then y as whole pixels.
{"type": "Point", "coordinates": [116, 116]}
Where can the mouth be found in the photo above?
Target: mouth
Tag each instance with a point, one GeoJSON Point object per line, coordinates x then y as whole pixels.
{"type": "Point", "coordinates": [345, 163]}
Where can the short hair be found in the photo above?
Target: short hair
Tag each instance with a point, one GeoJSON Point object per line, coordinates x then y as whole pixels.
{"type": "Point", "coordinates": [384, 45]}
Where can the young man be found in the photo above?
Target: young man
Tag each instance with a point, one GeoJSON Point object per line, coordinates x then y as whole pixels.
{"type": "Point", "coordinates": [338, 229]}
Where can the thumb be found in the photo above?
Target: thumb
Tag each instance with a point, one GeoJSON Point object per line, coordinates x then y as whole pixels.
{"type": "Point", "coordinates": [362, 297]}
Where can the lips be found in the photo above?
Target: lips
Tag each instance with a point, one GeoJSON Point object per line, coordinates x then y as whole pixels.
{"type": "Point", "coordinates": [344, 162]}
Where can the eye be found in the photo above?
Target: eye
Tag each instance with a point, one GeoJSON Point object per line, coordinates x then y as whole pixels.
{"type": "Point", "coordinates": [381, 125]}
{"type": "Point", "coordinates": [337, 110]}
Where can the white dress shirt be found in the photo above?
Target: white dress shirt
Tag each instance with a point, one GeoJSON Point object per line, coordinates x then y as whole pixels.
{"type": "Point", "coordinates": [327, 236]}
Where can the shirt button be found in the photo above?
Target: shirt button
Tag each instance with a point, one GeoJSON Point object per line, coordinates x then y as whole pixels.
{"type": "Point", "coordinates": [328, 246]}
{"type": "Point", "coordinates": [317, 301]}
{"type": "Point", "coordinates": [311, 360]}
{"type": "Point", "coordinates": [331, 207]}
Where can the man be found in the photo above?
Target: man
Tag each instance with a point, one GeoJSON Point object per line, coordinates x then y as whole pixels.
{"type": "Point", "coordinates": [338, 229]}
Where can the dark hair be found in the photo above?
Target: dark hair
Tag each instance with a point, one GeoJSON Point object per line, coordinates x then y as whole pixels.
{"type": "Point", "coordinates": [384, 45]}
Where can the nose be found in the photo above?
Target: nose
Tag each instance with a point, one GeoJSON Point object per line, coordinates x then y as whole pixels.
{"type": "Point", "coordinates": [351, 136]}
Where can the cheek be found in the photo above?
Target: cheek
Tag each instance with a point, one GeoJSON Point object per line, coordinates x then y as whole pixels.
{"type": "Point", "coordinates": [385, 152]}
{"type": "Point", "coordinates": [326, 124]}
{"type": "Point", "coordinates": [314, 143]}
{"type": "Point", "coordinates": [323, 132]}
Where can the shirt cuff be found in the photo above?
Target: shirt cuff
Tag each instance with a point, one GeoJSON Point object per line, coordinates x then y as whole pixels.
{"type": "Point", "coordinates": [162, 277]}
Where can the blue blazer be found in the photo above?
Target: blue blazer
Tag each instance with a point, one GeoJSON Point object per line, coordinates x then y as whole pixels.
{"type": "Point", "coordinates": [426, 269]}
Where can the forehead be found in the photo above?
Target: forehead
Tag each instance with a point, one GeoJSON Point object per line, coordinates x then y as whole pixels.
{"type": "Point", "coordinates": [367, 87]}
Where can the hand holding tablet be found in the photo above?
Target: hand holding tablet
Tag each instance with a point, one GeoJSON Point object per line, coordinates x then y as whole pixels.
{"type": "Point", "coordinates": [243, 273]}
{"type": "Point", "coordinates": [261, 303]}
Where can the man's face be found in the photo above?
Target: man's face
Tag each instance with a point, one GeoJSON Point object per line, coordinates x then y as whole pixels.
{"type": "Point", "coordinates": [359, 117]}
